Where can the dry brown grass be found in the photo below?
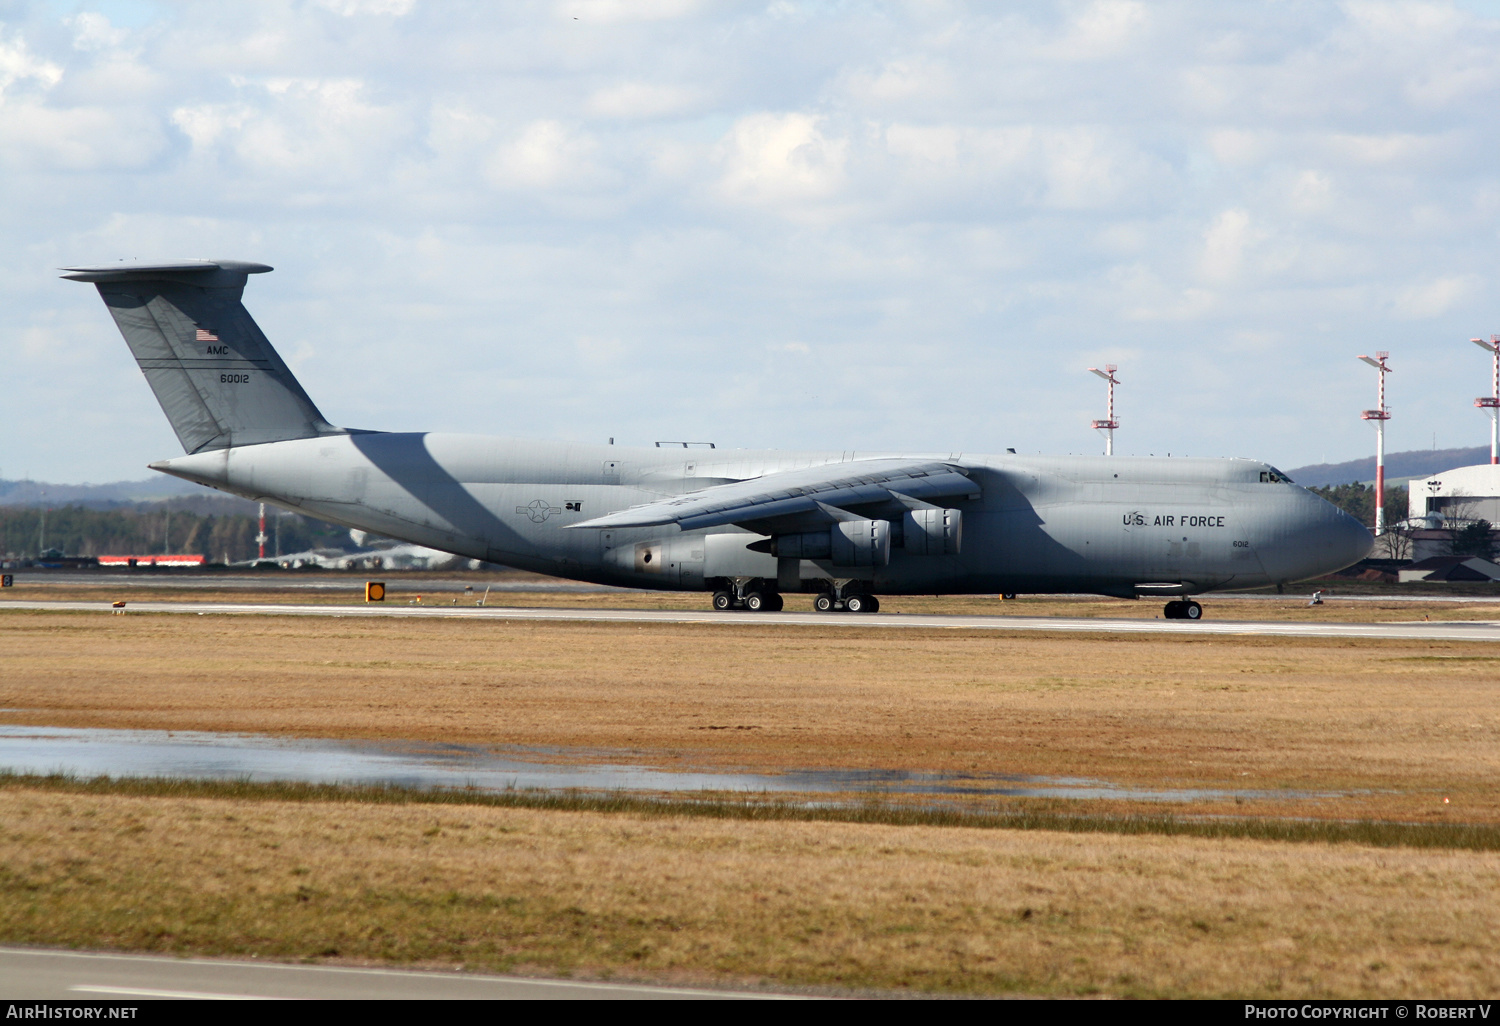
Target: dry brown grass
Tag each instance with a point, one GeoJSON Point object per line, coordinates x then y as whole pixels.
{"type": "Point", "coordinates": [1411, 722]}
{"type": "Point", "coordinates": [925, 908]}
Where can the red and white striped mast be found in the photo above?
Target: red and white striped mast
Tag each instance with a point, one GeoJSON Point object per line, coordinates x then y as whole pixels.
{"type": "Point", "coordinates": [1108, 425]}
{"type": "Point", "coordinates": [1379, 415]}
{"type": "Point", "coordinates": [1491, 402]}
{"type": "Point", "coordinates": [260, 539]}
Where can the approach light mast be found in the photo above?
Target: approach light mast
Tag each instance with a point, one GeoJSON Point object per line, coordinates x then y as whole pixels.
{"type": "Point", "coordinates": [1379, 415]}
{"type": "Point", "coordinates": [1109, 424]}
{"type": "Point", "coordinates": [1491, 402]}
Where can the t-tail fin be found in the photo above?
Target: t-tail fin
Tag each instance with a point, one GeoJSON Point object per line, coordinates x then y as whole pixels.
{"type": "Point", "coordinates": [217, 378]}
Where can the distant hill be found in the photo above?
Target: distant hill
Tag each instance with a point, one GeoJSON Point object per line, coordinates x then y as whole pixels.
{"type": "Point", "coordinates": [184, 495]}
{"type": "Point", "coordinates": [1416, 463]}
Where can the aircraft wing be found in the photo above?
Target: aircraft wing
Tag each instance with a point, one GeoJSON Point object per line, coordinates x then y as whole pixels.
{"type": "Point", "coordinates": [824, 492]}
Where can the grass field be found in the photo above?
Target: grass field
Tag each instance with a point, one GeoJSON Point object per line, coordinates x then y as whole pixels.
{"type": "Point", "coordinates": [1394, 726]}
{"type": "Point", "coordinates": [692, 899]}
{"type": "Point", "coordinates": [1406, 723]}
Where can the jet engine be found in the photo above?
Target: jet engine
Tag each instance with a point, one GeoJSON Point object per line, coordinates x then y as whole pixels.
{"type": "Point", "coordinates": [848, 543]}
{"type": "Point", "coordinates": [932, 532]}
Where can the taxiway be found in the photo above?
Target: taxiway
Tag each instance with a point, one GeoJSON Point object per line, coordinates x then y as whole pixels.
{"type": "Point", "coordinates": [1452, 630]}
{"type": "Point", "coordinates": [40, 975]}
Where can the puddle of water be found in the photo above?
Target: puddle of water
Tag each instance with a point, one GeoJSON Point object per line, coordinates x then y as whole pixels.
{"type": "Point", "coordinates": [203, 755]}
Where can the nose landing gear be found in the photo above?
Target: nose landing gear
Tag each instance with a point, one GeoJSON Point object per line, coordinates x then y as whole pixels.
{"type": "Point", "coordinates": [1183, 610]}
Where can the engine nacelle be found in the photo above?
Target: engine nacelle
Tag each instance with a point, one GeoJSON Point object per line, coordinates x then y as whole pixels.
{"type": "Point", "coordinates": [848, 543]}
{"type": "Point", "coordinates": [932, 532]}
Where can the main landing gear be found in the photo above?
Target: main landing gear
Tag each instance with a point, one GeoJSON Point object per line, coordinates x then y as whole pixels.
{"type": "Point", "coordinates": [1179, 609]}
{"type": "Point", "coordinates": [757, 596]}
{"type": "Point", "coordinates": [753, 598]}
{"type": "Point", "coordinates": [850, 601]}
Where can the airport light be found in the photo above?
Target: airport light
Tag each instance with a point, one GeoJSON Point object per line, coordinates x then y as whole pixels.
{"type": "Point", "coordinates": [1379, 415]}
{"type": "Point", "coordinates": [1491, 402]}
{"type": "Point", "coordinates": [1109, 424]}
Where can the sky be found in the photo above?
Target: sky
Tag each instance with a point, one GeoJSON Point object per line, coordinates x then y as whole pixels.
{"type": "Point", "coordinates": [784, 225]}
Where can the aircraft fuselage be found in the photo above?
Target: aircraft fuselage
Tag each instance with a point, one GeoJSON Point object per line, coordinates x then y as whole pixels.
{"type": "Point", "coordinates": [1040, 524]}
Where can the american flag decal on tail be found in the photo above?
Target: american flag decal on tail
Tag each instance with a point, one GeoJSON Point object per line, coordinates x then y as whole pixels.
{"type": "Point", "coordinates": [207, 336]}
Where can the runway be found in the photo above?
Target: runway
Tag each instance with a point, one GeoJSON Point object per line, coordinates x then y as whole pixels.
{"type": "Point", "coordinates": [1451, 630]}
{"type": "Point", "coordinates": [40, 975]}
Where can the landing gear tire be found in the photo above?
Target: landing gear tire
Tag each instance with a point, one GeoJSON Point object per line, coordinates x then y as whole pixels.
{"type": "Point", "coordinates": [1172, 610]}
{"type": "Point", "coordinates": [774, 603]}
{"type": "Point", "coordinates": [862, 604]}
{"type": "Point", "coordinates": [723, 600]}
{"type": "Point", "coordinates": [1192, 611]}
{"type": "Point", "coordinates": [823, 603]}
{"type": "Point", "coordinates": [755, 601]}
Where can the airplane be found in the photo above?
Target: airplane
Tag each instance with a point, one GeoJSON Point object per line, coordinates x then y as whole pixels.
{"type": "Point", "coordinates": [748, 525]}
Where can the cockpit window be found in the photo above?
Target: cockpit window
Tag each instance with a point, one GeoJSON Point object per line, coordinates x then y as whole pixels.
{"type": "Point", "coordinates": [1274, 476]}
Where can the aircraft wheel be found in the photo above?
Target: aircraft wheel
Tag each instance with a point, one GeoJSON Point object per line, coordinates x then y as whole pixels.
{"type": "Point", "coordinates": [774, 603]}
{"type": "Point", "coordinates": [1172, 610]}
{"type": "Point", "coordinates": [723, 600]}
{"type": "Point", "coordinates": [861, 603]}
{"type": "Point", "coordinates": [755, 602]}
{"type": "Point", "coordinates": [823, 603]}
{"type": "Point", "coordinates": [872, 604]}
{"type": "Point", "coordinates": [1009, 596]}
{"type": "Point", "coordinates": [1192, 611]}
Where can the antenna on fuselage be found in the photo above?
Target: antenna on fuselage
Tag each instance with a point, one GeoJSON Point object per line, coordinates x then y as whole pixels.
{"type": "Point", "coordinates": [1109, 424]}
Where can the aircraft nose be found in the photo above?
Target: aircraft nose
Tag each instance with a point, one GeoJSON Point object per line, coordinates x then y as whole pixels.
{"type": "Point", "coordinates": [1318, 538]}
{"type": "Point", "coordinates": [1346, 541]}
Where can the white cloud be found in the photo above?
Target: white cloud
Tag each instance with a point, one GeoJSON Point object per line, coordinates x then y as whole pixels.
{"type": "Point", "coordinates": [37, 137]}
{"type": "Point", "coordinates": [1388, 148]}
{"type": "Point", "coordinates": [773, 159]}
{"type": "Point", "coordinates": [1433, 298]}
{"type": "Point", "coordinates": [545, 155]}
{"type": "Point", "coordinates": [1311, 191]}
{"type": "Point", "coordinates": [932, 144]}
{"type": "Point", "coordinates": [1224, 245]}
{"type": "Point", "coordinates": [17, 64]}
{"type": "Point", "coordinates": [314, 128]}
{"type": "Point", "coordinates": [902, 81]}
{"type": "Point", "coordinates": [207, 124]}
{"type": "Point", "coordinates": [608, 12]}
{"type": "Point", "coordinates": [365, 8]}
{"type": "Point", "coordinates": [638, 100]}
{"type": "Point", "coordinates": [1102, 29]}
{"type": "Point", "coordinates": [93, 31]}
{"type": "Point", "coordinates": [1240, 147]}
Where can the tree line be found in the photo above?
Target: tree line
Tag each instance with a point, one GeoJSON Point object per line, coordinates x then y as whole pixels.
{"type": "Point", "coordinates": [26, 532]}
{"type": "Point", "coordinates": [1359, 502]}
{"type": "Point", "coordinates": [1469, 539]}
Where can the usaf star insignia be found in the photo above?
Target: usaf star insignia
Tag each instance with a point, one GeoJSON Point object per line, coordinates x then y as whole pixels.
{"type": "Point", "coordinates": [538, 510]}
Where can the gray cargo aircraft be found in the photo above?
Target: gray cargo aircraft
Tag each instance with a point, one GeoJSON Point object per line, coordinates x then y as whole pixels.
{"type": "Point", "coordinates": [748, 525]}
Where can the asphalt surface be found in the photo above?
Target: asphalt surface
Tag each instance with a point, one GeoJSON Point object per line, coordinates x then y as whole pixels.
{"type": "Point", "coordinates": [1450, 630]}
{"type": "Point", "coordinates": [40, 975]}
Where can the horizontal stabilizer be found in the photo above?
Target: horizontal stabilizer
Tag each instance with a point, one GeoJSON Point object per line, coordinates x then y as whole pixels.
{"type": "Point", "coordinates": [792, 492]}
{"type": "Point", "coordinates": [196, 271]}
